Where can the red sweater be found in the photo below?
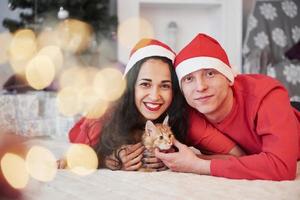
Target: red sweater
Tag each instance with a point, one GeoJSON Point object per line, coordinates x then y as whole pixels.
{"type": "Point", "coordinates": [264, 124]}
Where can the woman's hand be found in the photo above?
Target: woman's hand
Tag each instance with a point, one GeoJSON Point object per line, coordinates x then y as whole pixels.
{"type": "Point", "coordinates": [130, 155]}
{"type": "Point", "coordinates": [62, 163]}
{"type": "Point", "coordinates": [150, 161]}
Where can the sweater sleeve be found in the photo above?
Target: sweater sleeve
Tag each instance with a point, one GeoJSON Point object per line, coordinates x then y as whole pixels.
{"type": "Point", "coordinates": [86, 131]}
{"type": "Point", "coordinates": [278, 128]}
{"type": "Point", "coordinates": [203, 136]}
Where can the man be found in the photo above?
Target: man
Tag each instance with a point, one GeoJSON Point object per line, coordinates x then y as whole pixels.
{"type": "Point", "coordinates": [252, 110]}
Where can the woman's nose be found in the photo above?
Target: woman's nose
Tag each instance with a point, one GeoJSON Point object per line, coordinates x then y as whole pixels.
{"type": "Point", "coordinates": [154, 93]}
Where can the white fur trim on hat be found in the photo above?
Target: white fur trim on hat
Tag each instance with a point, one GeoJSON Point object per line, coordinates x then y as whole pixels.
{"type": "Point", "coordinates": [197, 63]}
{"type": "Point", "coordinates": [148, 51]}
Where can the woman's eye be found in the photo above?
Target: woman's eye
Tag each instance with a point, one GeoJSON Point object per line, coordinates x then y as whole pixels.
{"type": "Point", "coordinates": [166, 86]}
{"type": "Point", "coordinates": [145, 84]}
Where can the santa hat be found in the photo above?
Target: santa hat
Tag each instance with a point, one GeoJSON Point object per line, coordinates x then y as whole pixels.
{"type": "Point", "coordinates": [147, 48]}
{"type": "Point", "coordinates": [203, 52]}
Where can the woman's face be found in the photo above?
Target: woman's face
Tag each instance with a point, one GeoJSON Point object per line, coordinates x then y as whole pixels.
{"type": "Point", "coordinates": [153, 89]}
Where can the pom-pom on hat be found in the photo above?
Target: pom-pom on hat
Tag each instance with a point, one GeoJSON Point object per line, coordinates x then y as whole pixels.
{"type": "Point", "coordinates": [203, 52]}
{"type": "Point", "coordinates": [147, 48]}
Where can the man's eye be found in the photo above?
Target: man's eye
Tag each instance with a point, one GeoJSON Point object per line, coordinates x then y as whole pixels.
{"type": "Point", "coordinates": [188, 79]}
{"type": "Point", "coordinates": [210, 73]}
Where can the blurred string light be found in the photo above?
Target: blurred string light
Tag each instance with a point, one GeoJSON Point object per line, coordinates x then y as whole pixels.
{"type": "Point", "coordinates": [109, 84]}
{"type": "Point", "coordinates": [41, 164]}
{"type": "Point", "coordinates": [88, 91]}
{"type": "Point", "coordinates": [82, 159]}
{"type": "Point", "coordinates": [40, 72]}
{"type": "Point", "coordinates": [14, 170]}
{"type": "Point", "coordinates": [55, 54]}
{"type": "Point", "coordinates": [22, 48]}
{"type": "Point", "coordinates": [132, 30]}
{"type": "Point", "coordinates": [74, 36]}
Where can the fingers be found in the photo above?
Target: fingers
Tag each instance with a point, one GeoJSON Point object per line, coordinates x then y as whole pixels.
{"type": "Point", "coordinates": [162, 156]}
{"type": "Point", "coordinates": [132, 148]}
{"type": "Point", "coordinates": [111, 163]}
{"type": "Point", "coordinates": [178, 144]}
{"type": "Point", "coordinates": [132, 162]}
{"type": "Point", "coordinates": [61, 164]}
{"type": "Point", "coordinates": [127, 155]}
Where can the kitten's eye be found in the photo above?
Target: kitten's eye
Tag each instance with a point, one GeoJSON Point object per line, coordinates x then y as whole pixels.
{"type": "Point", "coordinates": [170, 136]}
{"type": "Point", "coordinates": [161, 137]}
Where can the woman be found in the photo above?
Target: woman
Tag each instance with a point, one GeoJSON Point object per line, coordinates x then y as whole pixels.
{"type": "Point", "coordinates": [152, 92]}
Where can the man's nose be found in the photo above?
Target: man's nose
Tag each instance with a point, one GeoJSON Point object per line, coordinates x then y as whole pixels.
{"type": "Point", "coordinates": [201, 83]}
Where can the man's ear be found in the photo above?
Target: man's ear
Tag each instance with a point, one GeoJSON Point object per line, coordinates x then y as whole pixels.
{"type": "Point", "coordinates": [149, 127]}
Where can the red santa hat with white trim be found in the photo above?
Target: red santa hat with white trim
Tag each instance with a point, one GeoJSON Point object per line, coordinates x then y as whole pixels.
{"type": "Point", "coordinates": [147, 48]}
{"type": "Point", "coordinates": [203, 52]}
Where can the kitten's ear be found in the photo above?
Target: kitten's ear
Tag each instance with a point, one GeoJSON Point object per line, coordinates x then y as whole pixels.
{"type": "Point", "coordinates": [149, 127]}
{"type": "Point", "coordinates": [166, 121]}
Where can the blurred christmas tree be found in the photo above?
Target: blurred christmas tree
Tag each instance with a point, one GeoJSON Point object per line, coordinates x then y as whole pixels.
{"type": "Point", "coordinates": [38, 13]}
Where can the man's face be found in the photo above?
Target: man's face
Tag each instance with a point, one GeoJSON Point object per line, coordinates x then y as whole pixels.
{"type": "Point", "coordinates": [206, 90]}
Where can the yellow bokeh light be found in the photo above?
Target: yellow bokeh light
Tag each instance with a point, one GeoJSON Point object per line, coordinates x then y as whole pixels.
{"type": "Point", "coordinates": [74, 35]}
{"type": "Point", "coordinates": [132, 30]}
{"type": "Point", "coordinates": [82, 159]}
{"type": "Point", "coordinates": [48, 38]}
{"type": "Point", "coordinates": [22, 48]}
{"type": "Point", "coordinates": [55, 54]}
{"type": "Point", "coordinates": [40, 72]}
{"type": "Point", "coordinates": [109, 84]}
{"type": "Point", "coordinates": [94, 107]}
{"type": "Point", "coordinates": [5, 39]}
{"type": "Point", "coordinates": [41, 164]}
{"type": "Point", "coordinates": [14, 170]}
{"type": "Point", "coordinates": [68, 101]}
{"type": "Point", "coordinates": [79, 77]}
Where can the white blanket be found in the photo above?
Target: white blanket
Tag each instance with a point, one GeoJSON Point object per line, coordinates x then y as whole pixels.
{"type": "Point", "coordinates": [107, 184]}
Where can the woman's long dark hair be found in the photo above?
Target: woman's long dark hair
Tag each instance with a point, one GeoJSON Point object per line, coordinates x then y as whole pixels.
{"type": "Point", "coordinates": [125, 119]}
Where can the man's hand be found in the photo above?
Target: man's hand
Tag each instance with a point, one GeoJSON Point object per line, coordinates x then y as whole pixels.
{"type": "Point", "coordinates": [130, 155]}
{"type": "Point", "coordinates": [185, 160]}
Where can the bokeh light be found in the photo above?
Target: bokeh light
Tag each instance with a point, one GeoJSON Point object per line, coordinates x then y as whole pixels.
{"type": "Point", "coordinates": [22, 48]}
{"type": "Point", "coordinates": [68, 101]}
{"type": "Point", "coordinates": [55, 54]}
{"type": "Point", "coordinates": [82, 159]}
{"type": "Point", "coordinates": [74, 36]}
{"type": "Point", "coordinates": [41, 163]}
{"type": "Point", "coordinates": [109, 84]}
{"type": "Point", "coordinates": [40, 72]}
{"type": "Point", "coordinates": [5, 39]}
{"type": "Point", "coordinates": [132, 30]}
{"type": "Point", "coordinates": [48, 37]}
{"type": "Point", "coordinates": [14, 170]}
{"type": "Point", "coordinates": [78, 77]}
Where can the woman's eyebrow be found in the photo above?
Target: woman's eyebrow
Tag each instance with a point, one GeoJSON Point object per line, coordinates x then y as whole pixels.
{"type": "Point", "coordinates": [145, 79]}
{"type": "Point", "coordinates": [166, 81]}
